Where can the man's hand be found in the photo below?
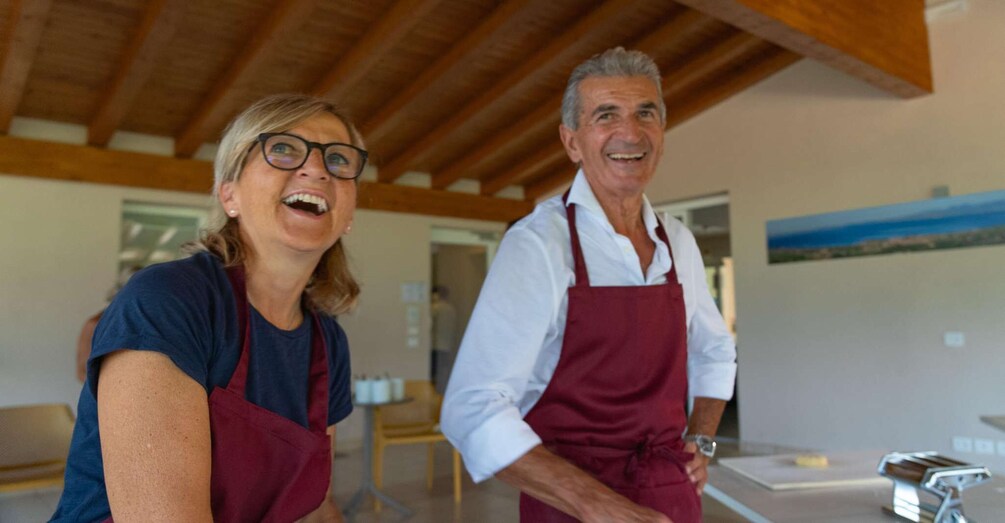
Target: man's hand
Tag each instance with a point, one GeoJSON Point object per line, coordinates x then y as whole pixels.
{"type": "Point", "coordinates": [615, 508]}
{"type": "Point", "coordinates": [697, 468]}
{"type": "Point", "coordinates": [561, 484]}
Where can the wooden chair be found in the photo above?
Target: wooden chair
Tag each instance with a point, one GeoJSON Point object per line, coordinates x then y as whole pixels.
{"type": "Point", "coordinates": [417, 421]}
{"type": "Point", "coordinates": [34, 442]}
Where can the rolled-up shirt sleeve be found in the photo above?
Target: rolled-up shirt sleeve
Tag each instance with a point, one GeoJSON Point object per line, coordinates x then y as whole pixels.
{"type": "Point", "coordinates": [514, 315]}
{"type": "Point", "coordinates": [711, 349]}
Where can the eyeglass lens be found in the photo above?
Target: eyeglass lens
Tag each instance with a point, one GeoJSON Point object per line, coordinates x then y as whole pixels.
{"type": "Point", "coordinates": [284, 151]}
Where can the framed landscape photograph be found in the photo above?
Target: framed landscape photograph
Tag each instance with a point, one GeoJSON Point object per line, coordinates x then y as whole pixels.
{"type": "Point", "coordinates": [940, 223]}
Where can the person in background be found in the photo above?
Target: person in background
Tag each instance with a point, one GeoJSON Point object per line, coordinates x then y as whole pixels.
{"type": "Point", "coordinates": [593, 328]}
{"type": "Point", "coordinates": [444, 335]}
{"type": "Point", "coordinates": [215, 382]}
{"type": "Point", "coordinates": [87, 331]}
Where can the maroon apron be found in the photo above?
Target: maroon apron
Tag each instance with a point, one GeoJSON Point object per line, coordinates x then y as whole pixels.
{"type": "Point", "coordinates": [616, 404]}
{"type": "Point", "coordinates": [266, 467]}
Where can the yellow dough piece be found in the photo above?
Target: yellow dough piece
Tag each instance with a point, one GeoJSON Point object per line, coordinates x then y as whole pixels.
{"type": "Point", "coordinates": [817, 461]}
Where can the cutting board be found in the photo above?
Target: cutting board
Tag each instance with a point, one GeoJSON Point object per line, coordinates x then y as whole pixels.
{"type": "Point", "coordinates": [780, 472]}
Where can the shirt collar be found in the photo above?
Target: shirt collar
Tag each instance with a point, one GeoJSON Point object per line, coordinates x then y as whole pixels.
{"type": "Point", "coordinates": [582, 195]}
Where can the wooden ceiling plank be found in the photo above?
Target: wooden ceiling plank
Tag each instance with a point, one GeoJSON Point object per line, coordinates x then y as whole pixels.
{"type": "Point", "coordinates": [546, 184]}
{"type": "Point", "coordinates": [216, 108]}
{"type": "Point", "coordinates": [58, 161]}
{"type": "Point", "coordinates": [158, 26]}
{"type": "Point", "coordinates": [884, 43]}
{"type": "Point", "coordinates": [555, 49]}
{"type": "Point", "coordinates": [708, 61]}
{"type": "Point", "coordinates": [22, 34]}
{"type": "Point", "coordinates": [769, 63]}
{"type": "Point", "coordinates": [392, 112]}
{"type": "Point", "coordinates": [548, 113]}
{"type": "Point", "coordinates": [370, 49]}
{"type": "Point", "coordinates": [694, 102]}
{"type": "Point", "coordinates": [544, 157]}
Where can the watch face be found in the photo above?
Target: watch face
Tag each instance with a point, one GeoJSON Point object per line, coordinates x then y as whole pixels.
{"type": "Point", "coordinates": [705, 445]}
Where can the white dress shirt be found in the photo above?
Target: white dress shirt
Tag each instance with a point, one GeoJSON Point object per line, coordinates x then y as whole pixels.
{"type": "Point", "coordinates": [514, 338]}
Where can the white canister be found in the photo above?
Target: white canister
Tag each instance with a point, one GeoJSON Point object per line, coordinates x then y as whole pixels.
{"type": "Point", "coordinates": [381, 390]}
{"type": "Point", "coordinates": [397, 389]}
{"type": "Point", "coordinates": [364, 390]}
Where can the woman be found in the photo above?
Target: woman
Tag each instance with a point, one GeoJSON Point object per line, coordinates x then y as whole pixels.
{"type": "Point", "coordinates": [212, 379]}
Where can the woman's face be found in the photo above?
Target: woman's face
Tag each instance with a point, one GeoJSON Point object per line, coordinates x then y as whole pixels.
{"type": "Point", "coordinates": [277, 209]}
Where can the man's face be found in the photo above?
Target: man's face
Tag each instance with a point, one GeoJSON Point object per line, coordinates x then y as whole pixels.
{"type": "Point", "coordinates": [619, 141]}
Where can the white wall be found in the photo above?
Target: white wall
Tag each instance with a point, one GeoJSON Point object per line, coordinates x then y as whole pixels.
{"type": "Point", "coordinates": [58, 258]}
{"type": "Point", "coordinates": [848, 354]}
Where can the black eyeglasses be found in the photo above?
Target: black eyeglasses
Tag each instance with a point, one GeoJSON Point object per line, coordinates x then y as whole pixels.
{"type": "Point", "coordinates": [289, 152]}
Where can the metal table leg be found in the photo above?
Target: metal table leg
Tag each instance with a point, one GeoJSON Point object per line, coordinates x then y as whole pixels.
{"type": "Point", "coordinates": [366, 485]}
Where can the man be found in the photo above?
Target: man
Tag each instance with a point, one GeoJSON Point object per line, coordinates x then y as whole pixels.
{"type": "Point", "coordinates": [443, 336]}
{"type": "Point", "coordinates": [592, 328]}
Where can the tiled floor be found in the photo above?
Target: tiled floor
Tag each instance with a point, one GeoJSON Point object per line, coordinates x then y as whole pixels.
{"type": "Point", "coordinates": [488, 502]}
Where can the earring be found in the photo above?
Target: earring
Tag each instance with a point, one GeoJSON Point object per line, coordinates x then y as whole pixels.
{"type": "Point", "coordinates": [232, 212]}
{"type": "Point", "coordinates": [348, 228]}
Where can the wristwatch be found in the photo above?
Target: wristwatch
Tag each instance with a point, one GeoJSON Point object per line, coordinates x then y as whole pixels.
{"type": "Point", "coordinates": [706, 445]}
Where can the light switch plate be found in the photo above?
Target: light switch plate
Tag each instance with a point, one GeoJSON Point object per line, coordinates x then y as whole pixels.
{"type": "Point", "coordinates": [954, 339]}
{"type": "Point", "coordinates": [963, 444]}
{"type": "Point", "coordinates": [984, 446]}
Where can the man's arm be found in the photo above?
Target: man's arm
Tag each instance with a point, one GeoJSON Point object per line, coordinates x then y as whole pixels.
{"type": "Point", "coordinates": [549, 478]}
{"type": "Point", "coordinates": [705, 416]}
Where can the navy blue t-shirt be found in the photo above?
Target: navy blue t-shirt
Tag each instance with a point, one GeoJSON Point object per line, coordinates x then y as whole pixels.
{"type": "Point", "coordinates": [186, 310]}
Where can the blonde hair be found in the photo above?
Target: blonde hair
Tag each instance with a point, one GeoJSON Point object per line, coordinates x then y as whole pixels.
{"type": "Point", "coordinates": [332, 288]}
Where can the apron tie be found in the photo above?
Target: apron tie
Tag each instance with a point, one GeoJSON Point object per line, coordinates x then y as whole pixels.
{"type": "Point", "coordinates": [647, 450]}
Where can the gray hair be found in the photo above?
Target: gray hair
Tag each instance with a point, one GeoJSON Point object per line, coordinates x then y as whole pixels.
{"type": "Point", "coordinates": [612, 62]}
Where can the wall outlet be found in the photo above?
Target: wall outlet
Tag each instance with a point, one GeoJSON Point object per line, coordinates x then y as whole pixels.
{"type": "Point", "coordinates": [963, 444]}
{"type": "Point", "coordinates": [954, 339]}
{"type": "Point", "coordinates": [1001, 448]}
{"type": "Point", "coordinates": [984, 446]}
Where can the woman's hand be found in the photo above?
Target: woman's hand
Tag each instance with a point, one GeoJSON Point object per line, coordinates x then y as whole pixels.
{"type": "Point", "coordinates": [326, 513]}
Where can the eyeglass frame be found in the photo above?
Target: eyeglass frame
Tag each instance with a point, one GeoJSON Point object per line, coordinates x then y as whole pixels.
{"type": "Point", "coordinates": [264, 137]}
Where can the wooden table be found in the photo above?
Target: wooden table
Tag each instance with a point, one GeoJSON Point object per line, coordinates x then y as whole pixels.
{"type": "Point", "coordinates": [367, 485]}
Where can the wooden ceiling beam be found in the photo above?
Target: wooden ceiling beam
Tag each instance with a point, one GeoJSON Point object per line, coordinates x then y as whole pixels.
{"type": "Point", "coordinates": [708, 62]}
{"type": "Point", "coordinates": [159, 23]}
{"type": "Point", "coordinates": [884, 43]}
{"type": "Point", "coordinates": [771, 60]}
{"type": "Point", "coordinates": [544, 185]}
{"type": "Point", "coordinates": [541, 60]}
{"type": "Point", "coordinates": [354, 65]}
{"type": "Point", "coordinates": [58, 161]}
{"type": "Point", "coordinates": [392, 112]}
{"type": "Point", "coordinates": [548, 113]}
{"type": "Point", "coordinates": [22, 34]}
{"type": "Point", "coordinates": [217, 106]}
{"type": "Point", "coordinates": [429, 202]}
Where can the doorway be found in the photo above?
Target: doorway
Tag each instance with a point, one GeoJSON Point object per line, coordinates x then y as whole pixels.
{"type": "Point", "coordinates": [708, 220]}
{"type": "Point", "coordinates": [459, 260]}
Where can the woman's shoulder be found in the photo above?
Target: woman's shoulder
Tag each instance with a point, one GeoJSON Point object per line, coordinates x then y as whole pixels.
{"type": "Point", "coordinates": [198, 273]}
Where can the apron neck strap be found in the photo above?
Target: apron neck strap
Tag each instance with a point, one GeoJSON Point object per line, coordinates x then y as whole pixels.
{"type": "Point", "coordinates": [317, 400]}
{"type": "Point", "coordinates": [582, 276]}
